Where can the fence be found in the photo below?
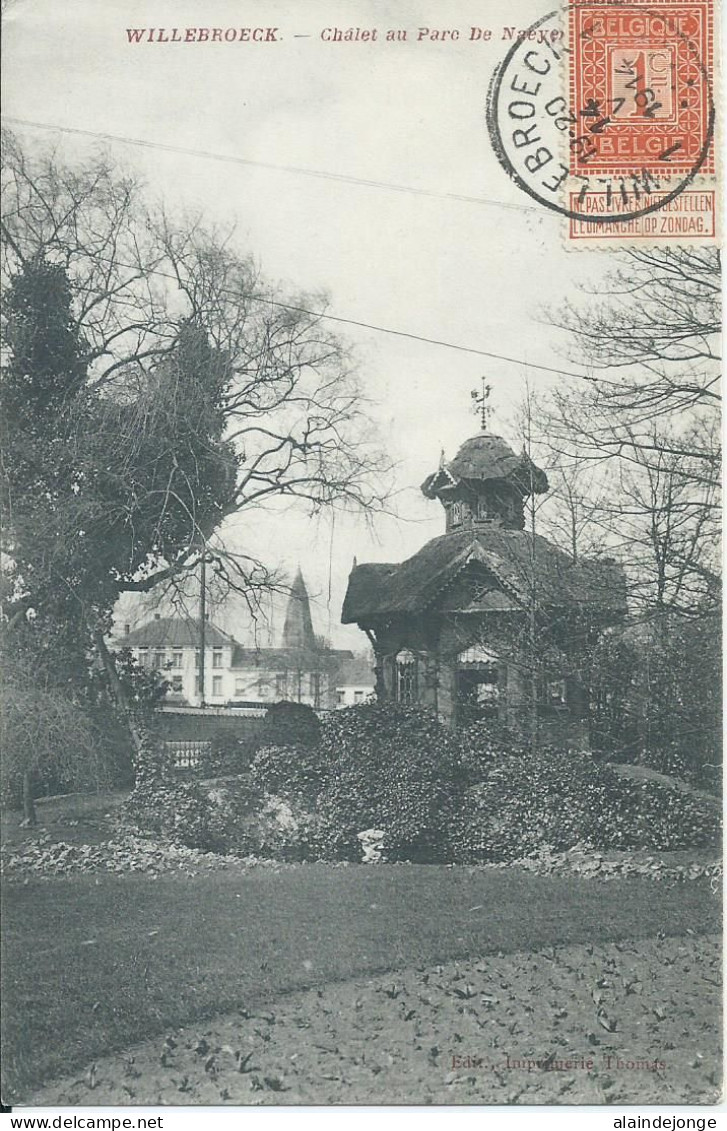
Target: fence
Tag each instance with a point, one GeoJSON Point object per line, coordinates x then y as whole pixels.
{"type": "Point", "coordinates": [187, 753]}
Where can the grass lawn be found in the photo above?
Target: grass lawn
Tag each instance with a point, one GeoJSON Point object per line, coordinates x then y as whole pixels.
{"type": "Point", "coordinates": [92, 964]}
{"type": "Point", "coordinates": [623, 1022]}
{"type": "Point", "coordinates": [77, 818]}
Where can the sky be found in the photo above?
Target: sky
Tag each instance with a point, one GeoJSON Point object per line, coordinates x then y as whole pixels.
{"type": "Point", "coordinates": [407, 115]}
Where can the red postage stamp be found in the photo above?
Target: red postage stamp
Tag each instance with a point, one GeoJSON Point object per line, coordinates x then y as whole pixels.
{"type": "Point", "coordinates": [640, 76]}
{"type": "Point", "coordinates": [614, 129]}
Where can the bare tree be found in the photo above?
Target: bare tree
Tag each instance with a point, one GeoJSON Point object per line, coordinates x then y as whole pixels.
{"type": "Point", "coordinates": [645, 420]}
{"type": "Point", "coordinates": [650, 339]}
{"type": "Point", "coordinates": [641, 432]}
{"type": "Point", "coordinates": [668, 528]}
{"type": "Point", "coordinates": [655, 506]}
{"type": "Point", "coordinates": [651, 336]}
{"type": "Point", "coordinates": [287, 403]}
{"type": "Point", "coordinates": [570, 515]}
{"type": "Point", "coordinates": [157, 385]}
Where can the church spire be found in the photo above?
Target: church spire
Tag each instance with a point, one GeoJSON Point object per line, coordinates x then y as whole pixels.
{"type": "Point", "coordinates": [298, 626]}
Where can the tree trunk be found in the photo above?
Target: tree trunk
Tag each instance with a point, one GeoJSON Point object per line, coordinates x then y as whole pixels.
{"type": "Point", "coordinates": [29, 815]}
{"type": "Point", "coordinates": [117, 691]}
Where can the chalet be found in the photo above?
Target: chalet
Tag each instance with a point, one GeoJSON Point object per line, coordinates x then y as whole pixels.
{"type": "Point", "coordinates": [488, 620]}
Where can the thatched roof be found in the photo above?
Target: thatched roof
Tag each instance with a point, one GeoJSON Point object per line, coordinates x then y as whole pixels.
{"type": "Point", "coordinates": [486, 457]}
{"type": "Point", "coordinates": [508, 556]}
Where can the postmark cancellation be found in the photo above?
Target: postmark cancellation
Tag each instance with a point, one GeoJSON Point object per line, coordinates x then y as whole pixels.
{"type": "Point", "coordinates": [612, 122]}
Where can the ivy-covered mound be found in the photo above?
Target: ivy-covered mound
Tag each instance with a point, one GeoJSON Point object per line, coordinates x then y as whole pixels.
{"type": "Point", "coordinates": [396, 770]}
{"type": "Point", "coordinates": [559, 799]}
{"type": "Point", "coordinates": [246, 815]}
{"type": "Point", "coordinates": [477, 794]}
{"type": "Point", "coordinates": [391, 782]}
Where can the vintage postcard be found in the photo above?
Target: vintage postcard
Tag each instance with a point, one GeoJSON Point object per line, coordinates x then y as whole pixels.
{"type": "Point", "coordinates": [361, 600]}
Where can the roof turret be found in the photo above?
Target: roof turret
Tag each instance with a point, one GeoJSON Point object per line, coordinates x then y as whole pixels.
{"type": "Point", "coordinates": [485, 484]}
{"type": "Point", "coordinates": [487, 458]}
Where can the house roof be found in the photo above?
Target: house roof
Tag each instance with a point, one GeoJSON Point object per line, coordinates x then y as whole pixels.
{"type": "Point", "coordinates": [284, 658]}
{"type": "Point", "coordinates": [486, 457]}
{"type": "Point", "coordinates": [175, 632]}
{"type": "Point", "coordinates": [651, 628]}
{"type": "Point", "coordinates": [376, 590]}
{"type": "Point", "coordinates": [178, 632]}
{"type": "Point", "coordinates": [356, 672]}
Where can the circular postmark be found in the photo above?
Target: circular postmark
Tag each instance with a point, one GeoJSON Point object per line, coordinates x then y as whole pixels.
{"type": "Point", "coordinates": [613, 125]}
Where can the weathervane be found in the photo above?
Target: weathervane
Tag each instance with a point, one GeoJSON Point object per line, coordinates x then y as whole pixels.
{"type": "Point", "coordinates": [480, 403]}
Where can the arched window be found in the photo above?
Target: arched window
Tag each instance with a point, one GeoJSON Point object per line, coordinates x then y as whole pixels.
{"type": "Point", "coordinates": [456, 514]}
{"type": "Point", "coordinates": [406, 677]}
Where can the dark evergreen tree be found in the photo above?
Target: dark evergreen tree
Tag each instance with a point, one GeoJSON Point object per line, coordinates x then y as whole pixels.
{"type": "Point", "coordinates": [41, 385]}
{"type": "Point", "coordinates": [95, 486]}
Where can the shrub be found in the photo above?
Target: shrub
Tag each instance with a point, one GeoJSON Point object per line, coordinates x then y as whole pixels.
{"type": "Point", "coordinates": [670, 758]}
{"type": "Point", "coordinates": [550, 798]}
{"type": "Point", "coordinates": [227, 753]}
{"type": "Point", "coordinates": [656, 687]}
{"type": "Point", "coordinates": [646, 814]}
{"type": "Point", "coordinates": [49, 744]}
{"type": "Point", "coordinates": [394, 768]}
{"type": "Point", "coordinates": [436, 794]}
{"type": "Point", "coordinates": [185, 813]}
{"type": "Point", "coordinates": [295, 773]}
{"type": "Point", "coordinates": [482, 745]}
{"type": "Point", "coordinates": [557, 799]}
{"type": "Point", "coordinates": [282, 830]}
{"type": "Point", "coordinates": [290, 724]}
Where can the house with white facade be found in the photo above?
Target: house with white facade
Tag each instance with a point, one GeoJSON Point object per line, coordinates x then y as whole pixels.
{"type": "Point", "coordinates": [172, 646]}
{"type": "Point", "coordinates": [301, 670]}
{"type": "Point", "coordinates": [355, 682]}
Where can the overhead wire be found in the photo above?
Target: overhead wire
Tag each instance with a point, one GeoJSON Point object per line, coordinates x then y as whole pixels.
{"type": "Point", "coordinates": [321, 174]}
{"type": "Point", "coordinates": [360, 324]}
{"type": "Point", "coordinates": [297, 170]}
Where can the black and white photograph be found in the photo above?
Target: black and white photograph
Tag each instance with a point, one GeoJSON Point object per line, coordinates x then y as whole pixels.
{"type": "Point", "coordinates": [360, 594]}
